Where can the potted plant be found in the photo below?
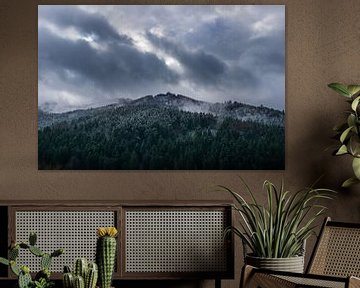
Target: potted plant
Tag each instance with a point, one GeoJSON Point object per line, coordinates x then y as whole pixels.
{"type": "Point", "coordinates": [42, 278]}
{"type": "Point", "coordinates": [84, 274]}
{"type": "Point", "coordinates": [348, 132]}
{"type": "Point", "coordinates": [276, 233]}
{"type": "Point", "coordinates": [106, 254]}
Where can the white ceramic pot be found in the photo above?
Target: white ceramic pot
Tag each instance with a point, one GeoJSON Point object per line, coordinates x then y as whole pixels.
{"type": "Point", "coordinates": [291, 264]}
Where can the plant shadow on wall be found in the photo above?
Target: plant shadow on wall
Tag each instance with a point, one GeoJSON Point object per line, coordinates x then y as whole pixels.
{"type": "Point", "coordinates": [279, 229]}
{"type": "Point", "coordinates": [348, 132]}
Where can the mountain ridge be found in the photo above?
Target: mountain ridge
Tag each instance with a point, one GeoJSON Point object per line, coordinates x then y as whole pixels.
{"type": "Point", "coordinates": [233, 109]}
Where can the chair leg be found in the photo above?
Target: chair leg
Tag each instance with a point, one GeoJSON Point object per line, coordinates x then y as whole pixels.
{"type": "Point", "coordinates": [246, 274]}
{"type": "Point", "coordinates": [217, 283]}
{"type": "Point", "coordinates": [250, 278]}
{"type": "Point", "coordinates": [354, 282]}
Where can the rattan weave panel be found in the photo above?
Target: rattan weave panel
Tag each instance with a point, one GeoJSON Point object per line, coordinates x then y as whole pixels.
{"type": "Point", "coordinates": [305, 282]}
{"type": "Point", "coordinates": [261, 280]}
{"type": "Point", "coordinates": [175, 241]}
{"type": "Point", "coordinates": [75, 231]}
{"type": "Point", "coordinates": [338, 253]}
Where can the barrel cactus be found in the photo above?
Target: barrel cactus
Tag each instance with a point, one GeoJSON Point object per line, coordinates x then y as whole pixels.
{"type": "Point", "coordinates": [106, 254]}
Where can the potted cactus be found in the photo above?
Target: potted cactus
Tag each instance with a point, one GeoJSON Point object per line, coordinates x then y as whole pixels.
{"type": "Point", "coordinates": [106, 254]}
{"type": "Point", "coordinates": [42, 278]}
{"type": "Point", "coordinates": [85, 275]}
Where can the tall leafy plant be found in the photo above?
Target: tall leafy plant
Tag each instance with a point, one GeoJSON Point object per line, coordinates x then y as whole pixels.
{"type": "Point", "coordinates": [279, 229]}
{"type": "Point", "coordinates": [348, 132]}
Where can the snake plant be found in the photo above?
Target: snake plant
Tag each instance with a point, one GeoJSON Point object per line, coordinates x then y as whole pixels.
{"type": "Point", "coordinates": [348, 132]}
{"type": "Point", "coordinates": [279, 228]}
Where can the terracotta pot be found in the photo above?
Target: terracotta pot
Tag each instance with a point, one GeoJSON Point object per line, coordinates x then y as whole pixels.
{"type": "Point", "coordinates": [291, 264]}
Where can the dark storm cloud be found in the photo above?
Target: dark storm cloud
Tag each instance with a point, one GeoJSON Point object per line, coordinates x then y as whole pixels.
{"type": "Point", "coordinates": [267, 53]}
{"type": "Point", "coordinates": [95, 54]}
{"type": "Point", "coordinates": [200, 65]}
{"type": "Point", "coordinates": [88, 24]}
{"type": "Point", "coordinates": [206, 69]}
{"type": "Point", "coordinates": [110, 69]}
{"type": "Point", "coordinates": [221, 37]}
{"type": "Point", "coordinates": [229, 41]}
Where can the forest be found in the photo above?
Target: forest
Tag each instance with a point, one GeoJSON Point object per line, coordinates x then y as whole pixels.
{"type": "Point", "coordinates": [157, 138]}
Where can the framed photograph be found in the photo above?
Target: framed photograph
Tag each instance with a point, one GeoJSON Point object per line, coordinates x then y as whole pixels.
{"type": "Point", "coordinates": [154, 87]}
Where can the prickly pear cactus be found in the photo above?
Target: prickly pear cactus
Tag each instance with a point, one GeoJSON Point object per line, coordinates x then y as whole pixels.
{"type": "Point", "coordinates": [42, 278]}
{"type": "Point", "coordinates": [32, 238]}
{"type": "Point", "coordinates": [45, 261]}
{"type": "Point", "coordinates": [36, 251]}
{"type": "Point", "coordinates": [57, 252]}
{"type": "Point", "coordinates": [43, 274]}
{"type": "Point", "coordinates": [13, 253]}
{"type": "Point", "coordinates": [4, 261]}
{"type": "Point", "coordinates": [106, 254]}
{"type": "Point", "coordinates": [14, 268]}
{"type": "Point", "coordinates": [24, 280]}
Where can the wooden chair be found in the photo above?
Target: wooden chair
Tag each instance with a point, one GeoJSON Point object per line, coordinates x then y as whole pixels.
{"type": "Point", "coordinates": [335, 262]}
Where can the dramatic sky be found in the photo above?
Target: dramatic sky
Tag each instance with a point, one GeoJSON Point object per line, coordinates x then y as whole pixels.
{"type": "Point", "coordinates": [92, 55]}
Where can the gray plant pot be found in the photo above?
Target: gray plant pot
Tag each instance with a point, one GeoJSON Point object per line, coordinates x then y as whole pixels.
{"type": "Point", "coordinates": [291, 264]}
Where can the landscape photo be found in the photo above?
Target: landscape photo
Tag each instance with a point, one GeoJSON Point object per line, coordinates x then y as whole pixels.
{"type": "Point", "coordinates": [161, 87]}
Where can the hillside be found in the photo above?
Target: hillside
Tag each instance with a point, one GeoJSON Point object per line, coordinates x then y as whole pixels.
{"type": "Point", "coordinates": [183, 103]}
{"type": "Point", "coordinates": [165, 131]}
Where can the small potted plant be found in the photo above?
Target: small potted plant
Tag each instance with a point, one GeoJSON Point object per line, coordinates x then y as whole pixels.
{"type": "Point", "coordinates": [106, 254]}
{"type": "Point", "coordinates": [84, 274]}
{"type": "Point", "coordinates": [348, 132]}
{"type": "Point", "coordinates": [42, 278]}
{"type": "Point", "coordinates": [276, 233]}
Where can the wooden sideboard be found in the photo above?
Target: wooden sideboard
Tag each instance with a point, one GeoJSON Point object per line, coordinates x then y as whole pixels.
{"type": "Point", "coordinates": [157, 240]}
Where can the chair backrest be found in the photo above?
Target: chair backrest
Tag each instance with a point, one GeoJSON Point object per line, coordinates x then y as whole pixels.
{"type": "Point", "coordinates": [337, 251]}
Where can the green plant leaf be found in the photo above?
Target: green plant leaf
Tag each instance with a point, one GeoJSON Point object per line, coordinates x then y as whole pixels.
{"type": "Point", "coordinates": [345, 134]}
{"type": "Point", "coordinates": [354, 144]}
{"type": "Point", "coordinates": [353, 89]}
{"type": "Point", "coordinates": [4, 261]}
{"type": "Point", "coordinates": [342, 150]}
{"type": "Point", "coordinates": [349, 182]}
{"type": "Point", "coordinates": [340, 88]}
{"type": "Point", "coordinates": [351, 120]}
{"type": "Point", "coordinates": [355, 103]}
{"type": "Point", "coordinates": [356, 167]}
